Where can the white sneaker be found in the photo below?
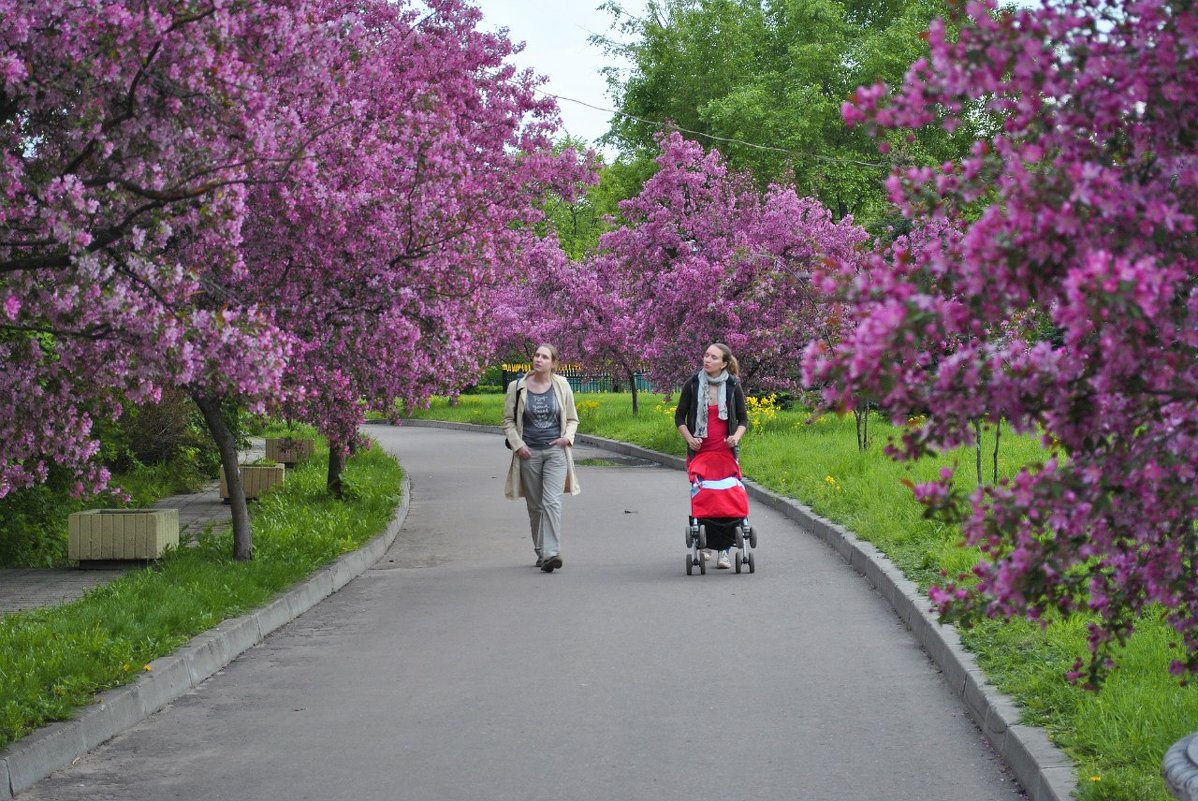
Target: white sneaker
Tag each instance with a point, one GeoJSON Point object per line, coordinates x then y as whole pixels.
{"type": "Point", "coordinates": [708, 554]}
{"type": "Point", "coordinates": [723, 563]}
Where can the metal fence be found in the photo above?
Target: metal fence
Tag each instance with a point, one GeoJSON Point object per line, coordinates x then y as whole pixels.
{"type": "Point", "coordinates": [581, 380]}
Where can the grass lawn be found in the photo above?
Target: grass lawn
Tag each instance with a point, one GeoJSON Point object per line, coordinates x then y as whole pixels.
{"type": "Point", "coordinates": [54, 660]}
{"type": "Point", "coordinates": [1117, 736]}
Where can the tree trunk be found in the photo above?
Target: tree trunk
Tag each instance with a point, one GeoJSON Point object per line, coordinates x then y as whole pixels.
{"type": "Point", "coordinates": [243, 540]}
{"type": "Point", "coordinates": [861, 415]}
{"type": "Point", "coordinates": [977, 431]}
{"type": "Point", "coordinates": [337, 452]}
{"type": "Point", "coordinates": [997, 439]}
{"type": "Point", "coordinates": [632, 384]}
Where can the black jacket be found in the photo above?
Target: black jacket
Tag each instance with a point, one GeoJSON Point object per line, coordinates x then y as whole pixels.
{"type": "Point", "coordinates": [688, 405]}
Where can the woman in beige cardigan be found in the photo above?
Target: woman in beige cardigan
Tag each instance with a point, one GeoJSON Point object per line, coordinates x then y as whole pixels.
{"type": "Point", "coordinates": [539, 421]}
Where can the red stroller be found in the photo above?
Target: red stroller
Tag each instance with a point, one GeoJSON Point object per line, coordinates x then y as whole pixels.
{"type": "Point", "coordinates": [719, 516]}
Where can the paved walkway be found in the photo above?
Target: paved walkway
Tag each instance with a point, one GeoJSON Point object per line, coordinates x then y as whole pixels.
{"type": "Point", "coordinates": [452, 669]}
{"type": "Point", "coordinates": [31, 588]}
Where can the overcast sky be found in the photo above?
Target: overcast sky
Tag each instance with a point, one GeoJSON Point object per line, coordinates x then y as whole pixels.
{"type": "Point", "coordinates": [555, 36]}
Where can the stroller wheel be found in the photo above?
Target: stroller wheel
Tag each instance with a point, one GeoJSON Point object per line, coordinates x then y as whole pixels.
{"type": "Point", "coordinates": [702, 566]}
{"type": "Point", "coordinates": [752, 537]}
{"type": "Point", "coordinates": [688, 535]}
{"type": "Point", "coordinates": [739, 537]}
{"type": "Point", "coordinates": [702, 540]}
{"type": "Point", "coordinates": [690, 565]}
{"type": "Point", "coordinates": [752, 567]}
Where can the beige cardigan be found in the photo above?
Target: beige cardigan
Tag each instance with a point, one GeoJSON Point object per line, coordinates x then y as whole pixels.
{"type": "Point", "coordinates": [513, 429]}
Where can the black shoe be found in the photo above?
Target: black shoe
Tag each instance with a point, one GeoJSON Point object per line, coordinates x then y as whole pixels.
{"type": "Point", "coordinates": [550, 564]}
{"type": "Point", "coordinates": [540, 562]}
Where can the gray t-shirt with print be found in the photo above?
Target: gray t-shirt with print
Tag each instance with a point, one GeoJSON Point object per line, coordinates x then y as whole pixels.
{"type": "Point", "coordinates": [542, 419]}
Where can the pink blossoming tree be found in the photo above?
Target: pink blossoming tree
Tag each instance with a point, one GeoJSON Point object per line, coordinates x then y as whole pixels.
{"type": "Point", "coordinates": [710, 258]}
{"type": "Point", "coordinates": [382, 257]}
{"type": "Point", "coordinates": [1076, 218]}
{"type": "Point", "coordinates": [129, 132]}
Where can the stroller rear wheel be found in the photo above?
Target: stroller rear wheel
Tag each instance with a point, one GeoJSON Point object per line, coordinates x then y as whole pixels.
{"type": "Point", "coordinates": [752, 567]}
{"type": "Point", "coordinates": [702, 540]}
{"type": "Point", "coordinates": [690, 565]}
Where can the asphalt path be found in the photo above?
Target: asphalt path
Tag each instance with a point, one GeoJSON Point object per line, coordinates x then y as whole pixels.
{"type": "Point", "coordinates": [453, 669]}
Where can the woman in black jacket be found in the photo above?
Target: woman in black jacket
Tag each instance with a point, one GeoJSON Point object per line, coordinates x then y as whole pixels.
{"type": "Point", "coordinates": [711, 415]}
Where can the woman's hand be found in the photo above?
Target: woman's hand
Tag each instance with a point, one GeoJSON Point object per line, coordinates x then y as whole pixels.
{"type": "Point", "coordinates": [694, 443]}
{"type": "Point", "coordinates": [560, 442]}
{"type": "Point", "coordinates": [524, 452]}
{"type": "Point", "coordinates": [732, 440]}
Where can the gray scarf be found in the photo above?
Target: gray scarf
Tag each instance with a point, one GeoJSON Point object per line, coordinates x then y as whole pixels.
{"type": "Point", "coordinates": [701, 413]}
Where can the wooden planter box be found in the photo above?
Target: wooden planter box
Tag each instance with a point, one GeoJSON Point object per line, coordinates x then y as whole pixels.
{"type": "Point", "coordinates": [289, 451]}
{"type": "Point", "coordinates": [255, 479]}
{"type": "Point", "coordinates": [121, 533]}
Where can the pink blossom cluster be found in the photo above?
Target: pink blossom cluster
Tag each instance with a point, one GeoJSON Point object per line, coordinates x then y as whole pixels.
{"type": "Point", "coordinates": [1051, 281]}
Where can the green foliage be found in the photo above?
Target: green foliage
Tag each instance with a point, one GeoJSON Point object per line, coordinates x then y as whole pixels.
{"type": "Point", "coordinates": [54, 660]}
{"type": "Point", "coordinates": [159, 433]}
{"type": "Point", "coordinates": [773, 74]}
{"type": "Point", "coordinates": [580, 223]}
{"type": "Point", "coordinates": [1116, 736]}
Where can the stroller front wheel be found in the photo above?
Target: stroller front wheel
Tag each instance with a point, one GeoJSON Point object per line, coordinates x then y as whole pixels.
{"type": "Point", "coordinates": [690, 565]}
{"type": "Point", "coordinates": [702, 540]}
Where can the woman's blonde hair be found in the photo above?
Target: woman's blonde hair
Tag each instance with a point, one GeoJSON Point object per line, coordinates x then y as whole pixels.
{"type": "Point", "coordinates": [729, 360]}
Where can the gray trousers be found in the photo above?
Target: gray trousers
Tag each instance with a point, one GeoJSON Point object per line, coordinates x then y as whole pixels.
{"type": "Point", "coordinates": [544, 478]}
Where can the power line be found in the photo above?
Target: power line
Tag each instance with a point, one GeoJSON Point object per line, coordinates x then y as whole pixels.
{"type": "Point", "coordinates": [659, 124]}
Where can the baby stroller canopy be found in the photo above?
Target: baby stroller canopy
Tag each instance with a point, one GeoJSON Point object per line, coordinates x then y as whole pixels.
{"type": "Point", "coordinates": [716, 486]}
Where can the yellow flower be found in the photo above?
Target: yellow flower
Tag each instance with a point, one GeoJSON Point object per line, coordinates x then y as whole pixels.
{"type": "Point", "coordinates": [1095, 778]}
{"type": "Point", "coordinates": [147, 668]}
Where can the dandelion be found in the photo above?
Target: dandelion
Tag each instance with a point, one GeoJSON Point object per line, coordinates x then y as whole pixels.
{"type": "Point", "coordinates": [1095, 778]}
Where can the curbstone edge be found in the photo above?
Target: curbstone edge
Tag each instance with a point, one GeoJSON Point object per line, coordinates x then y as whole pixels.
{"type": "Point", "coordinates": [34, 757]}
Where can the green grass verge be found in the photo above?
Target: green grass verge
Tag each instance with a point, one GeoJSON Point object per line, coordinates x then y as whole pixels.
{"type": "Point", "coordinates": [54, 660]}
{"type": "Point", "coordinates": [1117, 736]}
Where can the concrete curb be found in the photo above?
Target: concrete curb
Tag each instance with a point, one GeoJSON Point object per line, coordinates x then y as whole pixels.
{"type": "Point", "coordinates": [1042, 769]}
{"type": "Point", "coordinates": [58, 745]}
